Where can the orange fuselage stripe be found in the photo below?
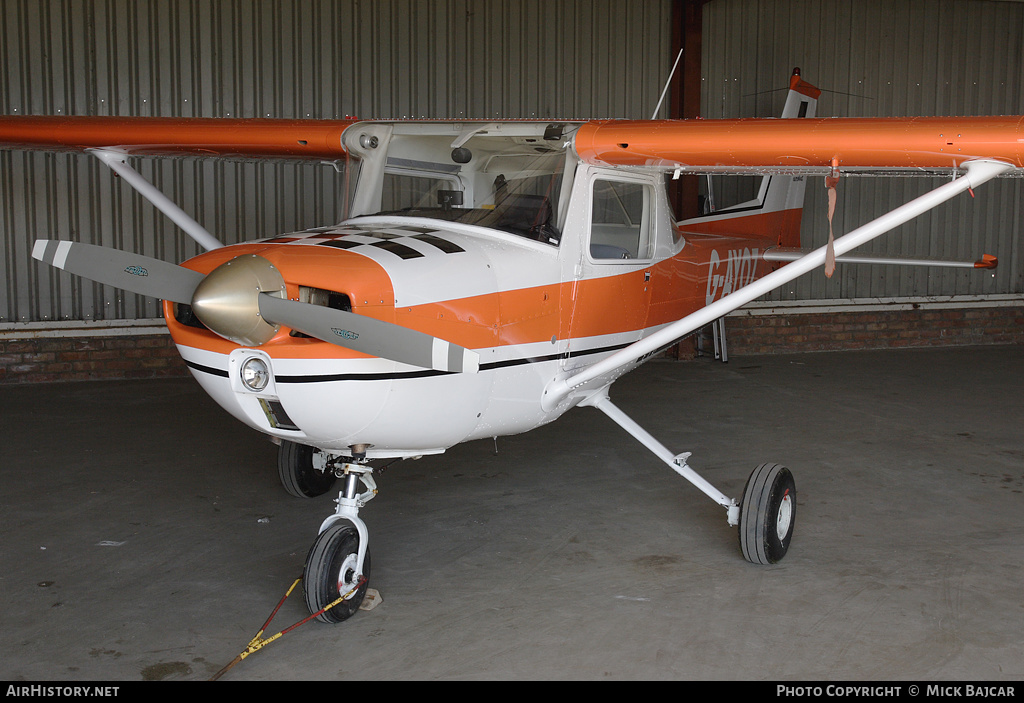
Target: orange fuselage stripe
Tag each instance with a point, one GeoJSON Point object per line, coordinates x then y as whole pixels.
{"type": "Point", "coordinates": [784, 222]}
{"type": "Point", "coordinates": [629, 302]}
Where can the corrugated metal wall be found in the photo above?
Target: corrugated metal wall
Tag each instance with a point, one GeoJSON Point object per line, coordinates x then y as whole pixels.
{"type": "Point", "coordinates": [277, 58]}
{"type": "Point", "coordinates": [474, 58]}
{"type": "Point", "coordinates": [882, 58]}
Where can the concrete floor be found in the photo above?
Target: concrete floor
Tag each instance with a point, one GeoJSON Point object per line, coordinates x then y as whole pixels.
{"type": "Point", "coordinates": [145, 535]}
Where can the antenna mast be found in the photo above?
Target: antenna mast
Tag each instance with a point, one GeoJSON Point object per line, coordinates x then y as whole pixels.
{"type": "Point", "coordinates": [667, 83]}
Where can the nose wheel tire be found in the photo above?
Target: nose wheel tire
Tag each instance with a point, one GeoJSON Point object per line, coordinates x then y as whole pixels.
{"type": "Point", "coordinates": [767, 514]}
{"type": "Point", "coordinates": [330, 573]}
{"type": "Point", "coordinates": [297, 474]}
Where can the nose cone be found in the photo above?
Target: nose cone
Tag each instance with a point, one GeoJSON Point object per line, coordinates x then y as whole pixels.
{"type": "Point", "coordinates": [227, 300]}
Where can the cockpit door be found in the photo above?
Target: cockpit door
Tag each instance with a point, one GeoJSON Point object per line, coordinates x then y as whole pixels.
{"type": "Point", "coordinates": [612, 291]}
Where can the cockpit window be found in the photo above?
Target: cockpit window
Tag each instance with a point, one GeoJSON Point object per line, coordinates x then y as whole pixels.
{"type": "Point", "coordinates": [620, 220]}
{"type": "Point", "coordinates": [510, 183]}
{"type": "Point", "coordinates": [411, 191]}
{"type": "Point", "coordinates": [523, 213]}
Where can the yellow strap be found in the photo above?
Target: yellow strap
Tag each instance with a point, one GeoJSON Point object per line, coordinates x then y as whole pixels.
{"type": "Point", "coordinates": [257, 643]}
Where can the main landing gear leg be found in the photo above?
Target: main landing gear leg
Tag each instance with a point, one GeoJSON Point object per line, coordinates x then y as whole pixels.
{"type": "Point", "coordinates": [338, 564]}
{"type": "Point", "coordinates": [766, 516]}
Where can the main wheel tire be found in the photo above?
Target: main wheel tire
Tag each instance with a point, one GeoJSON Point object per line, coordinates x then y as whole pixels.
{"type": "Point", "coordinates": [295, 469]}
{"type": "Point", "coordinates": [330, 573]}
{"type": "Point", "coordinates": [767, 514]}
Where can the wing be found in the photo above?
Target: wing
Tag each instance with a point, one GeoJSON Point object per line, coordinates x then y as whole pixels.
{"type": "Point", "coordinates": [817, 146]}
{"type": "Point", "coordinates": [172, 136]}
{"type": "Point", "coordinates": [812, 146]}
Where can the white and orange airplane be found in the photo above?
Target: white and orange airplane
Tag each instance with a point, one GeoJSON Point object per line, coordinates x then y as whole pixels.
{"type": "Point", "coordinates": [489, 276]}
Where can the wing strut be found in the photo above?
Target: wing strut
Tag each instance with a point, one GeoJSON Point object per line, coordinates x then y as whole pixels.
{"type": "Point", "coordinates": [117, 160]}
{"type": "Point", "coordinates": [977, 172]}
{"type": "Point", "coordinates": [677, 462]}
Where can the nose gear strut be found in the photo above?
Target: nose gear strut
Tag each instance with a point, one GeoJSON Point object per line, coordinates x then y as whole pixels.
{"type": "Point", "coordinates": [339, 560]}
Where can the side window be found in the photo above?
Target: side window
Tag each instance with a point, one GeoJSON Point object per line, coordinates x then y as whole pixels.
{"type": "Point", "coordinates": [620, 218]}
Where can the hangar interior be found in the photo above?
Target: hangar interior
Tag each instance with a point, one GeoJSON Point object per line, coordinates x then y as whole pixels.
{"type": "Point", "coordinates": [497, 584]}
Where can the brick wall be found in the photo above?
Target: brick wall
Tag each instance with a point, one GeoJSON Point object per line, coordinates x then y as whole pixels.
{"type": "Point", "coordinates": [43, 360]}
{"type": "Point", "coordinates": [892, 329]}
{"type": "Point", "coordinates": [154, 356]}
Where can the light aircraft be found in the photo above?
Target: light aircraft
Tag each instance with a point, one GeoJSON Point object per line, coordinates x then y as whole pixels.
{"type": "Point", "coordinates": [489, 276]}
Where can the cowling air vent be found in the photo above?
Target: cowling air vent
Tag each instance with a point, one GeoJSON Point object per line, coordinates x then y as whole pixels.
{"type": "Point", "coordinates": [184, 315]}
{"type": "Point", "coordinates": [326, 298]}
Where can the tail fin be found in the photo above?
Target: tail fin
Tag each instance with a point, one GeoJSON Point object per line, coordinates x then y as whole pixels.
{"type": "Point", "coordinates": [778, 206]}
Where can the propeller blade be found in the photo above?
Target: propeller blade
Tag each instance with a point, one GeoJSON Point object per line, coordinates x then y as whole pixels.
{"type": "Point", "coordinates": [131, 272]}
{"type": "Point", "coordinates": [369, 336]}
{"type": "Point", "coordinates": [148, 276]}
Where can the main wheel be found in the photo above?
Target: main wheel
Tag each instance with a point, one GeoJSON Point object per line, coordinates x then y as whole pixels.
{"type": "Point", "coordinates": [768, 514]}
{"type": "Point", "coordinates": [295, 468]}
{"type": "Point", "coordinates": [331, 573]}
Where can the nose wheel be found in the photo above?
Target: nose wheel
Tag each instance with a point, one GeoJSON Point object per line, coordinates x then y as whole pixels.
{"type": "Point", "coordinates": [332, 572]}
{"type": "Point", "coordinates": [767, 514]}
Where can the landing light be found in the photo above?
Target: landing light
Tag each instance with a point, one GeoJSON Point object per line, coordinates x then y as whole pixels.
{"type": "Point", "coordinates": [255, 374]}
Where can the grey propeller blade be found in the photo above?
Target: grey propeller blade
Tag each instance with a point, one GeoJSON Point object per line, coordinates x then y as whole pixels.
{"type": "Point", "coordinates": [369, 336]}
{"type": "Point", "coordinates": [131, 272]}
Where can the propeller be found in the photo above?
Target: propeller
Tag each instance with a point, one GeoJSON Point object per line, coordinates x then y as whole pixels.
{"type": "Point", "coordinates": [369, 335]}
{"type": "Point", "coordinates": [132, 272]}
{"type": "Point", "coordinates": [244, 300]}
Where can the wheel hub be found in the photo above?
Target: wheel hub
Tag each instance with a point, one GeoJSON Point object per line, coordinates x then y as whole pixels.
{"type": "Point", "coordinates": [346, 576]}
{"type": "Point", "coordinates": [785, 516]}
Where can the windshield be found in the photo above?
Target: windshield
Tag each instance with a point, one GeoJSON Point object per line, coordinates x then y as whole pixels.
{"type": "Point", "coordinates": [510, 183]}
